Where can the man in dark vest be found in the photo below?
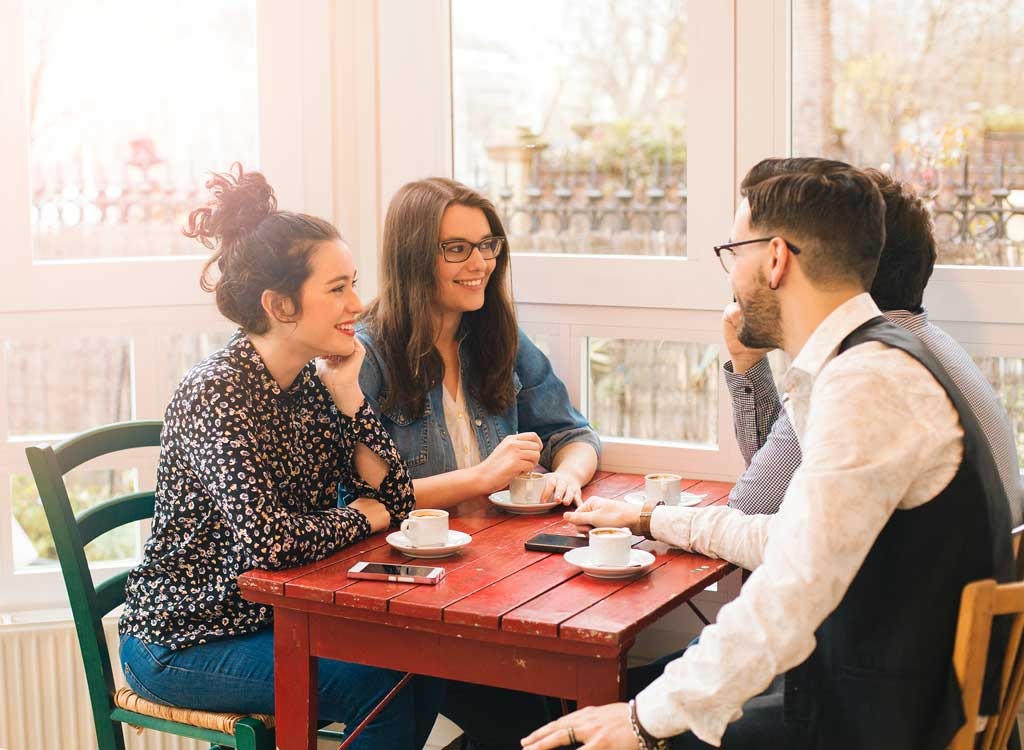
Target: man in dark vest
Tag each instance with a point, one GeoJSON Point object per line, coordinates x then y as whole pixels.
{"type": "Point", "coordinates": [857, 579]}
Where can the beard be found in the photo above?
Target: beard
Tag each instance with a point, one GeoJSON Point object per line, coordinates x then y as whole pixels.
{"type": "Point", "coordinates": [761, 327]}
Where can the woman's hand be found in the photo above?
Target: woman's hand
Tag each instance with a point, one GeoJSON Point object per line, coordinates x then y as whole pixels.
{"type": "Point", "coordinates": [375, 513]}
{"type": "Point", "coordinates": [341, 376]}
{"type": "Point", "coordinates": [561, 487]}
{"type": "Point", "coordinates": [600, 511]}
{"type": "Point", "coordinates": [592, 728]}
{"type": "Point", "coordinates": [515, 455]}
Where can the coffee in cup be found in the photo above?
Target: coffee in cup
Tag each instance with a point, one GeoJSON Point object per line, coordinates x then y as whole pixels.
{"type": "Point", "coordinates": [526, 488]}
{"type": "Point", "coordinates": [610, 546]}
{"type": "Point", "coordinates": [427, 527]}
{"type": "Point", "coordinates": [663, 486]}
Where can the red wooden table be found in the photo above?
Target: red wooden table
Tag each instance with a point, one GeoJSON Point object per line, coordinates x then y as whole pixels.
{"type": "Point", "coordinates": [503, 615]}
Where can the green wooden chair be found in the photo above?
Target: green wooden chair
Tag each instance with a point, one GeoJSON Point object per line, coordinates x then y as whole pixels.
{"type": "Point", "coordinates": [89, 603]}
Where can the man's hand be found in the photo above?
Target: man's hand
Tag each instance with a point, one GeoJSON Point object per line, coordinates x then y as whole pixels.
{"type": "Point", "coordinates": [591, 728]}
{"type": "Point", "coordinates": [600, 511]}
{"type": "Point", "coordinates": [743, 358]}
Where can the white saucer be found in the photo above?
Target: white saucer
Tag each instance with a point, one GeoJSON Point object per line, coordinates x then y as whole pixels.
{"type": "Point", "coordinates": [639, 561]}
{"type": "Point", "coordinates": [685, 498]}
{"type": "Point", "coordinates": [503, 500]}
{"type": "Point", "coordinates": [456, 541]}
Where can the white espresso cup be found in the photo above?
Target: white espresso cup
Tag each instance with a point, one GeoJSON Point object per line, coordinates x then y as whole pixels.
{"type": "Point", "coordinates": [427, 527]}
{"type": "Point", "coordinates": [526, 488]}
{"type": "Point", "coordinates": [663, 486]}
{"type": "Point", "coordinates": [610, 546]}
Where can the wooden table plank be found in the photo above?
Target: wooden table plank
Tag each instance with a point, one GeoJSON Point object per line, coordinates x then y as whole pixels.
{"type": "Point", "coordinates": [715, 491]}
{"type": "Point", "coordinates": [273, 581]}
{"type": "Point", "coordinates": [615, 619]}
{"type": "Point", "coordinates": [376, 594]}
{"type": "Point", "coordinates": [508, 555]}
{"type": "Point", "coordinates": [543, 614]}
{"type": "Point", "coordinates": [485, 608]}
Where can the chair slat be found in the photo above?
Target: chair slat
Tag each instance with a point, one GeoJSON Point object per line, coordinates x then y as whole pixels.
{"type": "Point", "coordinates": [113, 513]}
{"type": "Point", "coordinates": [110, 593]}
{"type": "Point", "coordinates": [110, 438]}
{"type": "Point", "coordinates": [165, 725]}
{"type": "Point", "coordinates": [974, 626]}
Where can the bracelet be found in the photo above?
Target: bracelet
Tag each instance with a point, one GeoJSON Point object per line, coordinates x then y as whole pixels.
{"type": "Point", "coordinates": [641, 743]}
{"type": "Point", "coordinates": [643, 526]}
{"type": "Point", "coordinates": [645, 740]}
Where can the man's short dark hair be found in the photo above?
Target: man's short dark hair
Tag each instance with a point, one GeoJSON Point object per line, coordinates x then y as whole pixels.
{"type": "Point", "coordinates": [767, 168]}
{"type": "Point", "coordinates": [836, 218]}
{"type": "Point", "coordinates": [908, 256]}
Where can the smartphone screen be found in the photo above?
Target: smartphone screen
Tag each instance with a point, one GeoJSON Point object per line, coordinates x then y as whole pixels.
{"type": "Point", "coordinates": [397, 570]}
{"type": "Point", "coordinates": [564, 542]}
{"type": "Point", "coordinates": [556, 542]}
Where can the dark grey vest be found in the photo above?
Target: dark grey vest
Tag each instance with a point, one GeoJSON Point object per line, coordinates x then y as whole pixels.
{"type": "Point", "coordinates": [882, 674]}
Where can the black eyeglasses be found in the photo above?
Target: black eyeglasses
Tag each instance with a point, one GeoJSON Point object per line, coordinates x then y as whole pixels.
{"type": "Point", "coordinates": [456, 251]}
{"type": "Point", "coordinates": [727, 253]}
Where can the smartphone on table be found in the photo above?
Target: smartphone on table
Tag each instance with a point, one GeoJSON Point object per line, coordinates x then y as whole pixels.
{"type": "Point", "coordinates": [396, 573]}
{"type": "Point", "coordinates": [565, 542]}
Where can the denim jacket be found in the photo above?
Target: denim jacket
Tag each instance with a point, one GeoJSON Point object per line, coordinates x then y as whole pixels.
{"type": "Point", "coordinates": [542, 406]}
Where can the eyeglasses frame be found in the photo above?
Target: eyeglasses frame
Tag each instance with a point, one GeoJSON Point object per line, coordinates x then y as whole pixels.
{"type": "Point", "coordinates": [731, 245]}
{"type": "Point", "coordinates": [443, 246]}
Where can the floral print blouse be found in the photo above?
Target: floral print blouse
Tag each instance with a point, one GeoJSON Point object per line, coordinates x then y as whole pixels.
{"type": "Point", "coordinates": [248, 478]}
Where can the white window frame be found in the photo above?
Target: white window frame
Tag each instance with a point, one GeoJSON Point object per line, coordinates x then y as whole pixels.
{"type": "Point", "coordinates": [582, 295]}
{"type": "Point", "coordinates": [740, 74]}
{"type": "Point", "coordinates": [147, 299]}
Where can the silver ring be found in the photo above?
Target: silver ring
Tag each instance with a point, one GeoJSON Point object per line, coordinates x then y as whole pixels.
{"type": "Point", "coordinates": [572, 737]}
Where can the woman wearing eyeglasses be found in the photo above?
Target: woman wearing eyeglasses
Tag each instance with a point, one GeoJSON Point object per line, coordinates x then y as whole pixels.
{"type": "Point", "coordinates": [470, 401]}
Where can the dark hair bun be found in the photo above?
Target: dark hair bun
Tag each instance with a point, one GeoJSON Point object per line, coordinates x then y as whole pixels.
{"type": "Point", "coordinates": [241, 200]}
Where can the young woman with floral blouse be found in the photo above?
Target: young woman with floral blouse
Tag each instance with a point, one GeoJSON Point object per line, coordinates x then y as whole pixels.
{"type": "Point", "coordinates": [256, 439]}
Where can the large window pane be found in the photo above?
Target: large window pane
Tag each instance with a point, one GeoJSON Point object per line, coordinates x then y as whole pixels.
{"type": "Point", "coordinates": [930, 89]}
{"type": "Point", "coordinates": [130, 105]}
{"type": "Point", "coordinates": [58, 386]}
{"type": "Point", "coordinates": [654, 390]}
{"type": "Point", "coordinates": [571, 116]}
{"type": "Point", "coordinates": [85, 489]}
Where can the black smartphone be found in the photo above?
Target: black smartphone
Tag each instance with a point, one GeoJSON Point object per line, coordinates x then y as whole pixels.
{"type": "Point", "coordinates": [565, 542]}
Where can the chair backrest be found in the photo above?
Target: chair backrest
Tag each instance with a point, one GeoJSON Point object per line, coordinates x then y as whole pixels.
{"type": "Point", "coordinates": [89, 603]}
{"type": "Point", "coordinates": [980, 603]}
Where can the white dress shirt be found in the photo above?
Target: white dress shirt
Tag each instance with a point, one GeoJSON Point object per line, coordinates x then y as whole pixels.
{"type": "Point", "coordinates": [879, 435]}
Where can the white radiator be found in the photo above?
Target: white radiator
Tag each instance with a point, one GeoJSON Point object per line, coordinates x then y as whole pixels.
{"type": "Point", "coordinates": [43, 698]}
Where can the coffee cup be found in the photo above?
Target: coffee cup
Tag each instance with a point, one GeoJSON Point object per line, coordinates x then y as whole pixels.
{"type": "Point", "coordinates": [526, 488]}
{"type": "Point", "coordinates": [610, 546]}
{"type": "Point", "coordinates": [663, 486]}
{"type": "Point", "coordinates": [427, 527]}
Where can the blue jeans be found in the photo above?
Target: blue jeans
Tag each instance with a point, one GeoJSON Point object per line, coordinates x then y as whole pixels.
{"type": "Point", "coordinates": [237, 675]}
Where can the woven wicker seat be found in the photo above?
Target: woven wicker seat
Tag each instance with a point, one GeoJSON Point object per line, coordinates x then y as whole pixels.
{"type": "Point", "coordinates": [129, 700]}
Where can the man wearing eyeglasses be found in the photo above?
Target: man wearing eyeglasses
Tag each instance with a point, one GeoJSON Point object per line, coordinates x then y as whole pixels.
{"type": "Point", "coordinates": [897, 505]}
{"type": "Point", "coordinates": [763, 430]}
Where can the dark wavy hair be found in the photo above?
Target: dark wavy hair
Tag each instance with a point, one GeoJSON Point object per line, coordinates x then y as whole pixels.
{"type": "Point", "coordinates": [400, 319]}
{"type": "Point", "coordinates": [256, 247]}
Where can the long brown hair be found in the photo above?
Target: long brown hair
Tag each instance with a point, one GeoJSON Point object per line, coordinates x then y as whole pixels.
{"type": "Point", "coordinates": [256, 247]}
{"type": "Point", "coordinates": [401, 320]}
